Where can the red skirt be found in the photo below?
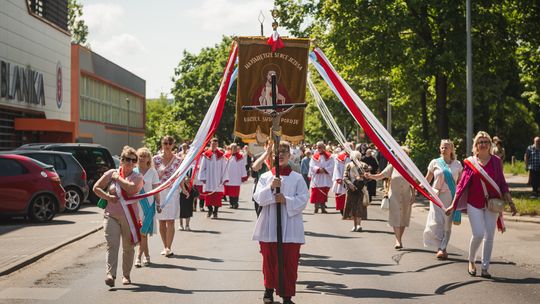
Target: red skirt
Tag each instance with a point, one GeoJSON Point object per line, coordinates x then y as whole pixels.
{"type": "Point", "coordinates": [340, 201]}
{"type": "Point", "coordinates": [319, 195]}
{"type": "Point", "coordinates": [233, 191]}
{"type": "Point", "coordinates": [213, 199]}
{"type": "Point", "coordinates": [199, 189]}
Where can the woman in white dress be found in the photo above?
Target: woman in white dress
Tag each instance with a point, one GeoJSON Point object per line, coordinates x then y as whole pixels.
{"type": "Point", "coordinates": [166, 164]}
{"type": "Point", "coordinates": [401, 197]}
{"type": "Point", "coordinates": [151, 181]}
{"type": "Point", "coordinates": [445, 173]}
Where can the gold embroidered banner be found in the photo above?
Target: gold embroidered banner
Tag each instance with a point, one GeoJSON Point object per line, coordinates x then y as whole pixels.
{"type": "Point", "coordinates": [256, 62]}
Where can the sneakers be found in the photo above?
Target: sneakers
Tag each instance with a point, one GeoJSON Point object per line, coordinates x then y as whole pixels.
{"type": "Point", "coordinates": [168, 253]}
{"type": "Point", "coordinates": [358, 228]}
{"type": "Point", "coordinates": [138, 262]}
{"type": "Point", "coordinates": [268, 296]}
{"type": "Point", "coordinates": [146, 261]}
{"type": "Point", "coordinates": [353, 229]}
{"type": "Point", "coordinates": [187, 228]}
{"type": "Point", "coordinates": [164, 252]}
{"type": "Point", "coordinates": [126, 281]}
{"type": "Point", "coordinates": [109, 281]}
{"type": "Point", "coordinates": [181, 228]}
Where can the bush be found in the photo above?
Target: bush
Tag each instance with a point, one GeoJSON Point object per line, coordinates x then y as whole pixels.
{"type": "Point", "coordinates": [517, 169]}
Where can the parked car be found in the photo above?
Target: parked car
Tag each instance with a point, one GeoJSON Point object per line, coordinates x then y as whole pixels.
{"type": "Point", "coordinates": [72, 174]}
{"type": "Point", "coordinates": [94, 158]}
{"type": "Point", "coordinates": [30, 188]}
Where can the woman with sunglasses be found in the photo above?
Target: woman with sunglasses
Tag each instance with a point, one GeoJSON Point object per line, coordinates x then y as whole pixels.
{"type": "Point", "coordinates": [482, 179]}
{"type": "Point", "coordinates": [120, 218]}
{"type": "Point", "coordinates": [166, 164]}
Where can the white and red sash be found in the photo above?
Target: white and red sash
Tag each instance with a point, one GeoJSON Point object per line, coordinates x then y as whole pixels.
{"type": "Point", "coordinates": [129, 212]}
{"type": "Point", "coordinates": [472, 162]}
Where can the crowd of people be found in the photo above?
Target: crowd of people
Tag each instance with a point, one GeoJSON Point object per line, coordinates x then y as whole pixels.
{"type": "Point", "coordinates": [308, 173]}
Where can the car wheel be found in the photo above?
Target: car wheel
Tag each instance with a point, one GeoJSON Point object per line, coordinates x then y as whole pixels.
{"type": "Point", "coordinates": [73, 199]}
{"type": "Point", "coordinates": [42, 208]}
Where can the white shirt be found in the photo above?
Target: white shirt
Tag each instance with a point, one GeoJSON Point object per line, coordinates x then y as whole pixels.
{"type": "Point", "coordinates": [296, 195]}
{"type": "Point", "coordinates": [213, 173]}
{"type": "Point", "coordinates": [319, 180]}
{"type": "Point", "coordinates": [439, 182]}
{"type": "Point", "coordinates": [151, 177]}
{"type": "Point", "coordinates": [236, 170]}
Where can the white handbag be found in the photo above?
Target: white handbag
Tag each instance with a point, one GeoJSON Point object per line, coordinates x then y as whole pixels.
{"type": "Point", "coordinates": [385, 203]}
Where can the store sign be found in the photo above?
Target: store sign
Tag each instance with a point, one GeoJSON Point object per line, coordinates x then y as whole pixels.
{"type": "Point", "coordinates": [21, 83]}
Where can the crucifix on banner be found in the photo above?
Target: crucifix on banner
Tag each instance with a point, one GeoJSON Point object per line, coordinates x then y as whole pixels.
{"type": "Point", "coordinates": [276, 111]}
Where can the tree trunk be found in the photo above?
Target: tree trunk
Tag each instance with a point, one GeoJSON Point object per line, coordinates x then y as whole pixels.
{"type": "Point", "coordinates": [423, 104]}
{"type": "Point", "coordinates": [441, 87]}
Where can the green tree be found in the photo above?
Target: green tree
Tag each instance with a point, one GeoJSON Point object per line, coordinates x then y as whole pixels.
{"type": "Point", "coordinates": [77, 27]}
{"type": "Point", "coordinates": [160, 121]}
{"type": "Point", "coordinates": [196, 81]}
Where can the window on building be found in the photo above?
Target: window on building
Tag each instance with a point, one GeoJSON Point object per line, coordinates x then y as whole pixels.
{"type": "Point", "coordinates": [103, 103]}
{"type": "Point", "coordinates": [54, 11]}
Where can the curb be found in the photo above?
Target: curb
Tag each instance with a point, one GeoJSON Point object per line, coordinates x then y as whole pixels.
{"type": "Point", "coordinates": [35, 257]}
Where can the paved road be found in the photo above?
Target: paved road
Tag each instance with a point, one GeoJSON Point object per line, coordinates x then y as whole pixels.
{"type": "Point", "coordinates": [217, 263]}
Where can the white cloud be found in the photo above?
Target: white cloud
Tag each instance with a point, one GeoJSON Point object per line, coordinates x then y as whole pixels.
{"type": "Point", "coordinates": [102, 17]}
{"type": "Point", "coordinates": [235, 17]}
{"type": "Point", "coordinates": [119, 46]}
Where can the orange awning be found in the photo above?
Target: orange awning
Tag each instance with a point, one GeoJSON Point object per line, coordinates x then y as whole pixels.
{"type": "Point", "coordinates": [42, 124]}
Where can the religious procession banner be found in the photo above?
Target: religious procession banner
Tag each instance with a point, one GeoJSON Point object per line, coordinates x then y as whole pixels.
{"type": "Point", "coordinates": [256, 64]}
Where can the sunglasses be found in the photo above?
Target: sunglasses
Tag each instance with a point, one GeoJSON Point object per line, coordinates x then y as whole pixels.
{"type": "Point", "coordinates": [129, 159]}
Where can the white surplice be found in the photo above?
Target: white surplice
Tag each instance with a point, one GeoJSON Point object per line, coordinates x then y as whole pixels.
{"type": "Point", "coordinates": [213, 171]}
{"type": "Point", "coordinates": [236, 169]}
{"type": "Point", "coordinates": [296, 195]}
{"type": "Point", "coordinates": [321, 161]}
{"type": "Point", "coordinates": [340, 161]}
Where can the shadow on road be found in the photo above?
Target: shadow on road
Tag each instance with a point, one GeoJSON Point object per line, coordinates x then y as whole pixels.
{"type": "Point", "coordinates": [12, 224]}
{"type": "Point", "coordinates": [206, 231]}
{"type": "Point", "coordinates": [324, 235]}
{"type": "Point", "coordinates": [153, 288]}
{"type": "Point", "coordinates": [197, 258]}
{"type": "Point", "coordinates": [342, 290]}
{"type": "Point", "coordinates": [376, 231]}
{"type": "Point", "coordinates": [342, 266]}
{"type": "Point", "coordinates": [451, 286]}
{"type": "Point", "coordinates": [170, 266]}
{"type": "Point", "coordinates": [232, 220]}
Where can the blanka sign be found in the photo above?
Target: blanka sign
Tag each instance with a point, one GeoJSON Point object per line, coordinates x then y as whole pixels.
{"type": "Point", "coordinates": [21, 84]}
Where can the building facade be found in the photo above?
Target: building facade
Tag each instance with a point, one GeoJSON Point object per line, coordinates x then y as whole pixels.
{"type": "Point", "coordinates": [35, 62]}
{"type": "Point", "coordinates": [53, 91]}
{"type": "Point", "coordinates": [109, 101]}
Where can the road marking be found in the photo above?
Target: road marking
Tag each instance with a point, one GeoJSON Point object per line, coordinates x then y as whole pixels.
{"type": "Point", "coordinates": [33, 293]}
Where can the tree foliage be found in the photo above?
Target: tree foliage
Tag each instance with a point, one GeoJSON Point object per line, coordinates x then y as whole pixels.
{"type": "Point", "coordinates": [77, 27]}
{"type": "Point", "coordinates": [196, 81]}
{"type": "Point", "coordinates": [412, 52]}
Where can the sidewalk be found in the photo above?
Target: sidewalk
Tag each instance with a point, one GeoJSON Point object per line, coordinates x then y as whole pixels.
{"type": "Point", "coordinates": [24, 242]}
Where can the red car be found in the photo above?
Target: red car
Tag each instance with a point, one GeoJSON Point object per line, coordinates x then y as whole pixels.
{"type": "Point", "coordinates": [29, 188]}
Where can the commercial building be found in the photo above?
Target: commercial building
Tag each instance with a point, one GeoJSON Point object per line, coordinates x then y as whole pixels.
{"type": "Point", "coordinates": [53, 91]}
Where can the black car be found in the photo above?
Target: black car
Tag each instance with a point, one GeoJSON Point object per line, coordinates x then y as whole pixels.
{"type": "Point", "coordinates": [95, 159]}
{"type": "Point", "coordinates": [72, 174]}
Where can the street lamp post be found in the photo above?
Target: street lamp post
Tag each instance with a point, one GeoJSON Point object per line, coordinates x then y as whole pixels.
{"type": "Point", "coordinates": [469, 81]}
{"type": "Point", "coordinates": [127, 100]}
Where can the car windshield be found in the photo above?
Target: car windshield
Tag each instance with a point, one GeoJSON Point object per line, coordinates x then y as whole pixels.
{"type": "Point", "coordinates": [43, 166]}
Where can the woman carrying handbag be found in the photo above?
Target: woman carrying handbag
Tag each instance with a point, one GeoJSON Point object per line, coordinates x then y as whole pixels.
{"type": "Point", "coordinates": [482, 170]}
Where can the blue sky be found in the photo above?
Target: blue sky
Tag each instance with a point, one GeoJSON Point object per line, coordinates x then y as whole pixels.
{"type": "Point", "coordinates": [148, 37]}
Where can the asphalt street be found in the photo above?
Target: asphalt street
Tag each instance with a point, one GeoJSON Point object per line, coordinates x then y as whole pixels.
{"type": "Point", "coordinates": [218, 263]}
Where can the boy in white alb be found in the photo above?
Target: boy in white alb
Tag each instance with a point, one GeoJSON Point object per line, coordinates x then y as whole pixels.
{"type": "Point", "coordinates": [293, 196]}
{"type": "Point", "coordinates": [213, 174]}
{"type": "Point", "coordinates": [236, 170]}
{"type": "Point", "coordinates": [321, 168]}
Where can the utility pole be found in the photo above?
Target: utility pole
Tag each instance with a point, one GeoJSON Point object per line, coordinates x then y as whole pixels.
{"type": "Point", "coordinates": [127, 100]}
